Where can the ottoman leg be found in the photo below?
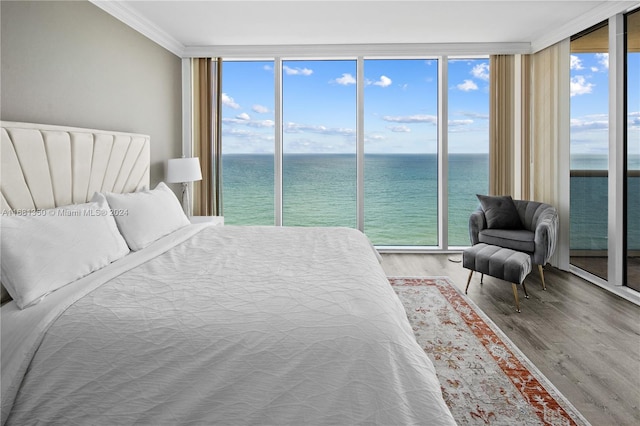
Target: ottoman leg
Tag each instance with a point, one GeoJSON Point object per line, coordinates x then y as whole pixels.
{"type": "Point", "coordinates": [544, 287]}
{"type": "Point", "coordinates": [526, 295]}
{"type": "Point", "coordinates": [468, 282]}
{"type": "Point", "coordinates": [515, 294]}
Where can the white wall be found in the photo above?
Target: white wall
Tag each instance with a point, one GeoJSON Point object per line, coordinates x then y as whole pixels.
{"type": "Point", "coordinates": [70, 63]}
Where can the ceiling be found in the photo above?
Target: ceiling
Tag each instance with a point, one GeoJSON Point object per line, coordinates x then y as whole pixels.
{"type": "Point", "coordinates": [530, 25]}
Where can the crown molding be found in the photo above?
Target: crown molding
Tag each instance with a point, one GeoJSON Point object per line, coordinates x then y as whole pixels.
{"type": "Point", "coordinates": [130, 17]}
{"type": "Point", "coordinates": [417, 50]}
{"type": "Point", "coordinates": [601, 12]}
{"type": "Point", "coordinates": [124, 13]}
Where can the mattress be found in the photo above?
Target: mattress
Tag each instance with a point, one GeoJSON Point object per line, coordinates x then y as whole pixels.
{"type": "Point", "coordinates": [223, 325]}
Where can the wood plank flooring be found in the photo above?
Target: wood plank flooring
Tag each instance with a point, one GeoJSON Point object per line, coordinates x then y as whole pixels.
{"type": "Point", "coordinates": [585, 340]}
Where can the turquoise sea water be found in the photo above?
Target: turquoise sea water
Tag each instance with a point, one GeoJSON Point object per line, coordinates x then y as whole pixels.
{"type": "Point", "coordinates": [400, 195]}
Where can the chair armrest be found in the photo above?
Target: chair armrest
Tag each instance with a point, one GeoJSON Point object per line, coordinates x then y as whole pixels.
{"type": "Point", "coordinates": [477, 222]}
{"type": "Point", "coordinates": [546, 236]}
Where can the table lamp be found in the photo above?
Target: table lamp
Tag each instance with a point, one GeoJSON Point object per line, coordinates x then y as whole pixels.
{"type": "Point", "coordinates": [184, 171]}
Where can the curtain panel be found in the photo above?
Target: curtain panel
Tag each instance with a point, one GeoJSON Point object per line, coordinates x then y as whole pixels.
{"type": "Point", "coordinates": [550, 137]}
{"type": "Point", "coordinates": [525, 128]}
{"type": "Point", "coordinates": [538, 120]}
{"type": "Point", "coordinates": [206, 139]}
{"type": "Point", "coordinates": [501, 125]}
{"type": "Point", "coordinates": [549, 120]}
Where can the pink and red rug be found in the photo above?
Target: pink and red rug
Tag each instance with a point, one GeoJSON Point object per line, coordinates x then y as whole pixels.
{"type": "Point", "coordinates": [485, 378]}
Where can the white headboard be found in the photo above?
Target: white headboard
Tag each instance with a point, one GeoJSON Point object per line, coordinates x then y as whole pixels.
{"type": "Point", "coordinates": [45, 166]}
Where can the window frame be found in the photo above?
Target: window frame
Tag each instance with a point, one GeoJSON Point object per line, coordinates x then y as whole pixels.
{"type": "Point", "coordinates": [442, 143]}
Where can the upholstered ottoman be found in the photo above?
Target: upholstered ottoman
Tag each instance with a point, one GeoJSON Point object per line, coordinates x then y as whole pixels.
{"type": "Point", "coordinates": [505, 264]}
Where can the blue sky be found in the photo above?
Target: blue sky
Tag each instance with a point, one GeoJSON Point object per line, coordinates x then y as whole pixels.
{"type": "Point", "coordinates": [319, 106]}
{"type": "Point", "coordinates": [590, 103]}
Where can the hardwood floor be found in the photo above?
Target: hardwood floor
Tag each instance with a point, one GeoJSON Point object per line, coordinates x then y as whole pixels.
{"type": "Point", "coordinates": [585, 340]}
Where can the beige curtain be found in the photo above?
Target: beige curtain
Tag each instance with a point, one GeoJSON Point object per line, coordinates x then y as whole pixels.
{"type": "Point", "coordinates": [549, 120]}
{"type": "Point", "coordinates": [501, 125]}
{"type": "Point", "coordinates": [525, 135]}
{"type": "Point", "coordinates": [206, 140]}
{"type": "Point", "coordinates": [549, 144]}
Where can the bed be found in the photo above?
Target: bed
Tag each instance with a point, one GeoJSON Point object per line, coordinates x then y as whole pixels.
{"type": "Point", "coordinates": [180, 323]}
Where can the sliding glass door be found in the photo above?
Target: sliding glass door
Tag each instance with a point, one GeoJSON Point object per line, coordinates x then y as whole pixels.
{"type": "Point", "coordinates": [590, 150]}
{"type": "Point", "coordinates": [595, 178]}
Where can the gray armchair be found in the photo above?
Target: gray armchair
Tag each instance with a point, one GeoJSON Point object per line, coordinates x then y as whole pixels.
{"type": "Point", "coordinates": [538, 237]}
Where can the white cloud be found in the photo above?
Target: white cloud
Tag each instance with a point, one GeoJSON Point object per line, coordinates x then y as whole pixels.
{"type": "Point", "coordinates": [576, 63]}
{"type": "Point", "coordinates": [474, 115]}
{"type": "Point", "coordinates": [589, 123]}
{"type": "Point", "coordinates": [297, 71]}
{"type": "Point", "coordinates": [384, 81]}
{"type": "Point", "coordinates": [467, 86]}
{"type": "Point", "coordinates": [399, 129]}
{"type": "Point", "coordinates": [242, 141]}
{"type": "Point", "coordinates": [260, 109]}
{"type": "Point", "coordinates": [594, 69]}
{"type": "Point", "coordinates": [580, 86]}
{"type": "Point", "coordinates": [603, 59]}
{"type": "Point", "coordinates": [417, 118]}
{"type": "Point", "coordinates": [457, 123]}
{"type": "Point", "coordinates": [261, 123]}
{"type": "Point", "coordinates": [228, 101]}
{"type": "Point", "coordinates": [345, 80]}
{"type": "Point", "coordinates": [291, 127]}
{"type": "Point", "coordinates": [244, 120]}
{"type": "Point", "coordinates": [481, 71]}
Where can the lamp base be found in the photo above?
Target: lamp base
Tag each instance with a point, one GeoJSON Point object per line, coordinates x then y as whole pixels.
{"type": "Point", "coordinates": [186, 201]}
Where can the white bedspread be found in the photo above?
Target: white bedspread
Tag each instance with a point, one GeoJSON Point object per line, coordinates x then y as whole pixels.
{"type": "Point", "coordinates": [233, 325]}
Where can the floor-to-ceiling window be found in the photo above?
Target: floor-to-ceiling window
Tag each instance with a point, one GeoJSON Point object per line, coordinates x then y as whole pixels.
{"type": "Point", "coordinates": [401, 149]}
{"type": "Point", "coordinates": [468, 142]}
{"type": "Point", "coordinates": [248, 142]}
{"type": "Point", "coordinates": [589, 150]}
{"type": "Point", "coordinates": [633, 148]}
{"type": "Point", "coordinates": [319, 143]}
{"type": "Point", "coordinates": [354, 153]}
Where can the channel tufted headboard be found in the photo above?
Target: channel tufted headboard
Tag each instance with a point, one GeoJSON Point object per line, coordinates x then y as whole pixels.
{"type": "Point", "coordinates": [45, 166]}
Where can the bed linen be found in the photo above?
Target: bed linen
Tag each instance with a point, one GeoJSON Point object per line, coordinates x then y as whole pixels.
{"type": "Point", "coordinates": [223, 325]}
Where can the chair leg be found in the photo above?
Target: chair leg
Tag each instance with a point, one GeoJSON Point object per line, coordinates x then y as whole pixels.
{"type": "Point", "coordinates": [544, 287]}
{"type": "Point", "coordinates": [515, 294]}
{"type": "Point", "coordinates": [468, 281]}
{"type": "Point", "coordinates": [526, 295]}
{"type": "Point", "coordinates": [481, 278]}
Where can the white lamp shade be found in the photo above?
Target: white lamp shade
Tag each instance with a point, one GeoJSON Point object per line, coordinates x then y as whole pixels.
{"type": "Point", "coordinates": [183, 170]}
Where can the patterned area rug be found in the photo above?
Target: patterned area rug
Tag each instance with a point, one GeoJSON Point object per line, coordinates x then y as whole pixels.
{"type": "Point", "coordinates": [485, 379]}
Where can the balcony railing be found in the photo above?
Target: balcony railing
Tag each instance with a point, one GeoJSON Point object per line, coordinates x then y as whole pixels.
{"type": "Point", "coordinates": [589, 212]}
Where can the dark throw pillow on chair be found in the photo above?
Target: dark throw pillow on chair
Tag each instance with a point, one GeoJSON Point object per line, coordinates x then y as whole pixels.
{"type": "Point", "coordinates": [500, 212]}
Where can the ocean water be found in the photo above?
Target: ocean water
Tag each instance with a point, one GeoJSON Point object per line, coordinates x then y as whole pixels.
{"type": "Point", "coordinates": [400, 195]}
{"type": "Point", "coordinates": [589, 202]}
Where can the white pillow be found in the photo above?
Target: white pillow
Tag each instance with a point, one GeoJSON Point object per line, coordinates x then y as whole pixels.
{"type": "Point", "coordinates": [48, 249]}
{"type": "Point", "coordinates": [145, 216]}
